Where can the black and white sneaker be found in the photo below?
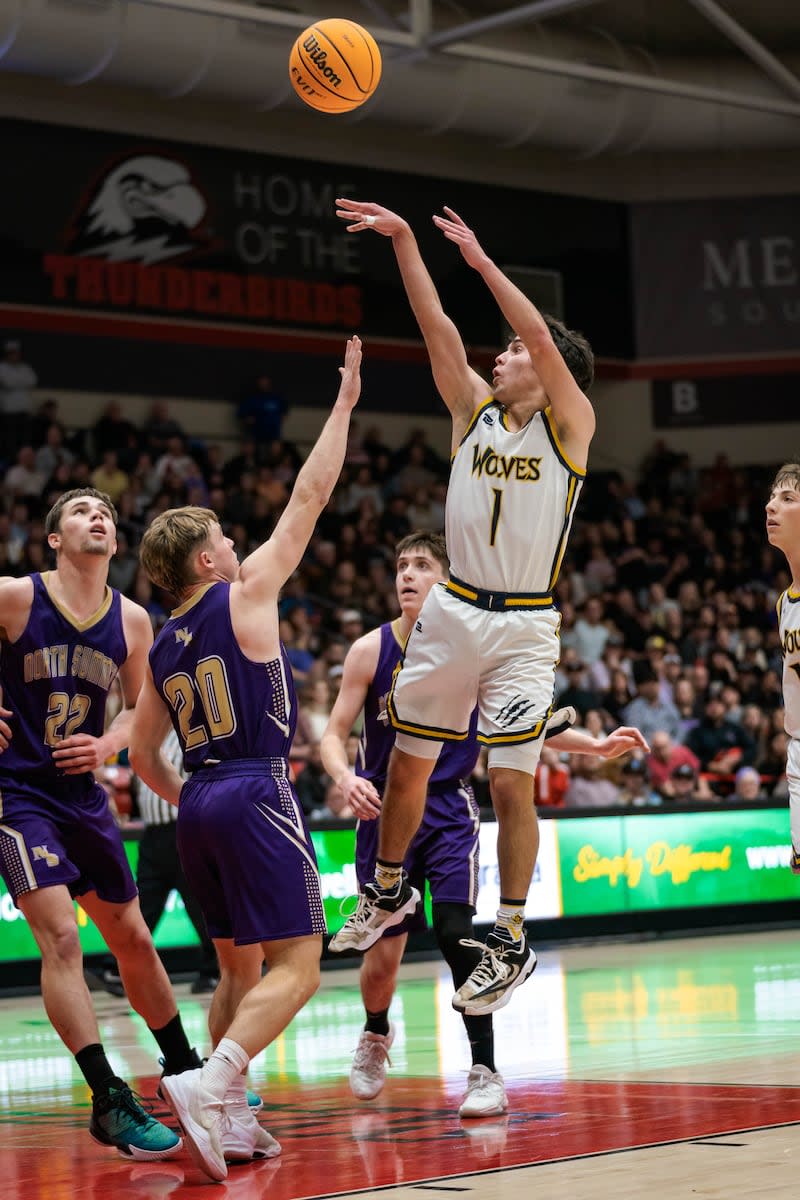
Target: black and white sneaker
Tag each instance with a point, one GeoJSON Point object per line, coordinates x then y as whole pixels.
{"type": "Point", "coordinates": [378, 910]}
{"type": "Point", "coordinates": [503, 967]}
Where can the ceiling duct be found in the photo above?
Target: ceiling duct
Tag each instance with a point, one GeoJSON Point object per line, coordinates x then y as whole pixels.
{"type": "Point", "coordinates": [534, 87]}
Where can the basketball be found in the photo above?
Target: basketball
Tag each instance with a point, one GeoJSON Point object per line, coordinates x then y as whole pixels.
{"type": "Point", "coordinates": [335, 65]}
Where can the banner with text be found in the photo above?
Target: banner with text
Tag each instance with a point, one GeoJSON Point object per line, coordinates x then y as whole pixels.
{"type": "Point", "coordinates": [167, 230]}
{"type": "Point", "coordinates": [674, 860]}
{"type": "Point", "coordinates": [717, 277]}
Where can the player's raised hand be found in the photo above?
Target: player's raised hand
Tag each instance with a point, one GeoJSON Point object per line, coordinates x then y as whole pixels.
{"type": "Point", "coordinates": [456, 230]}
{"type": "Point", "coordinates": [350, 387]}
{"type": "Point", "coordinates": [365, 215]}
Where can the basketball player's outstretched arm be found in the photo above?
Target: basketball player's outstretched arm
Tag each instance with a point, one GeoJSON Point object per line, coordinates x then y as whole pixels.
{"type": "Point", "coordinates": [461, 388]}
{"type": "Point", "coordinates": [357, 674]}
{"type": "Point", "coordinates": [624, 740]}
{"type": "Point", "coordinates": [264, 572]}
{"type": "Point", "coordinates": [571, 408]}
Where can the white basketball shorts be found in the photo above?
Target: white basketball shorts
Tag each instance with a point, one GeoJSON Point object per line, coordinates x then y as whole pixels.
{"type": "Point", "coordinates": [458, 655]}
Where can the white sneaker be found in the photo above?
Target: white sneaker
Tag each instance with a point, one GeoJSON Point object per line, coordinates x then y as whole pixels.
{"type": "Point", "coordinates": [202, 1118]}
{"type": "Point", "coordinates": [485, 1095]}
{"type": "Point", "coordinates": [244, 1139]}
{"type": "Point", "coordinates": [377, 911]}
{"type": "Point", "coordinates": [368, 1072]}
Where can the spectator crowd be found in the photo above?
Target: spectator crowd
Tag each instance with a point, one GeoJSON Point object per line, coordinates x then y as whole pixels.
{"type": "Point", "coordinates": [667, 594]}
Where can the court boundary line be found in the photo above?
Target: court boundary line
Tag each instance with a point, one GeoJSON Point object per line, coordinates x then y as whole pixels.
{"type": "Point", "coordinates": [420, 1183]}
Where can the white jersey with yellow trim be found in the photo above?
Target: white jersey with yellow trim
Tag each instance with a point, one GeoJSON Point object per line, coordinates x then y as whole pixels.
{"type": "Point", "coordinates": [510, 503]}
{"type": "Point", "coordinates": [789, 629]}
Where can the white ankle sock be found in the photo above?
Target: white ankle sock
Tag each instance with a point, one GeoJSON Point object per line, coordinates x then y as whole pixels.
{"type": "Point", "coordinates": [227, 1063]}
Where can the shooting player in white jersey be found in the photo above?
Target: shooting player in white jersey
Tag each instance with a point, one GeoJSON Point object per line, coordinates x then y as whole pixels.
{"type": "Point", "coordinates": [491, 635]}
{"type": "Point", "coordinates": [783, 531]}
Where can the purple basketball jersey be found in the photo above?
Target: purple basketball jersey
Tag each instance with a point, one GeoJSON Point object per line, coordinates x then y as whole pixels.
{"type": "Point", "coordinates": [223, 705]}
{"type": "Point", "coordinates": [55, 679]}
{"type": "Point", "coordinates": [457, 759]}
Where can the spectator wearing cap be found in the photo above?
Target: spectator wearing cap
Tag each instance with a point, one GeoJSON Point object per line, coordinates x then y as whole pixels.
{"type": "Point", "coordinates": [665, 755]}
{"type": "Point", "coordinates": [686, 786]}
{"type": "Point", "coordinates": [17, 381]}
{"type": "Point", "coordinates": [656, 651]}
{"type": "Point", "coordinates": [636, 791]}
{"type": "Point", "coordinates": [351, 624]}
{"type": "Point", "coordinates": [647, 711]}
{"type": "Point", "coordinates": [721, 746]}
{"type": "Point", "coordinates": [748, 786]}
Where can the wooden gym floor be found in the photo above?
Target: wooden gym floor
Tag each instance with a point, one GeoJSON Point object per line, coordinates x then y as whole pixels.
{"type": "Point", "coordinates": [668, 1068]}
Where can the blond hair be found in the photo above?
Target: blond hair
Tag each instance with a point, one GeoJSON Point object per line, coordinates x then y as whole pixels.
{"type": "Point", "coordinates": [170, 543]}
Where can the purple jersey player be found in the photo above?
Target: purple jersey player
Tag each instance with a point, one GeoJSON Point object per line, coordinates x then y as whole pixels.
{"type": "Point", "coordinates": [219, 674]}
{"type": "Point", "coordinates": [66, 638]}
{"type": "Point", "coordinates": [444, 850]}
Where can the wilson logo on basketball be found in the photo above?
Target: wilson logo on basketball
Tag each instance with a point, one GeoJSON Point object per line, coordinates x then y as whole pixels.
{"type": "Point", "coordinates": [320, 60]}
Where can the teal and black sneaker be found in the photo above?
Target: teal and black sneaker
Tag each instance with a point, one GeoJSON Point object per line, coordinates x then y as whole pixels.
{"type": "Point", "coordinates": [118, 1119]}
{"type": "Point", "coordinates": [254, 1102]}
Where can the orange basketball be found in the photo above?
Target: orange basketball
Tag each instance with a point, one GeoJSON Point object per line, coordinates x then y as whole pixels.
{"type": "Point", "coordinates": [335, 65]}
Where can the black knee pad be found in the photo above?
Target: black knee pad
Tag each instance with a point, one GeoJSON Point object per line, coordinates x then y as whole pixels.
{"type": "Point", "coordinates": [451, 924]}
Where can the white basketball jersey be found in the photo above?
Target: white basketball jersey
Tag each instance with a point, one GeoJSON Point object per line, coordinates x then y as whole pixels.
{"type": "Point", "coordinates": [789, 628]}
{"type": "Point", "coordinates": [510, 503]}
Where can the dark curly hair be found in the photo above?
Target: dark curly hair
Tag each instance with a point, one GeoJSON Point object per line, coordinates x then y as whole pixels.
{"type": "Point", "coordinates": [574, 349]}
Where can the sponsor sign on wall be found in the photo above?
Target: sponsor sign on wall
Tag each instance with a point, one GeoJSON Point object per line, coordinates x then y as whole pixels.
{"type": "Point", "coordinates": [674, 860]}
{"type": "Point", "coordinates": [586, 866]}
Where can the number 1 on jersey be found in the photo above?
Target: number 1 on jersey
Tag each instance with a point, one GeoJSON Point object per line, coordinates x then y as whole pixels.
{"type": "Point", "coordinates": [498, 502]}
